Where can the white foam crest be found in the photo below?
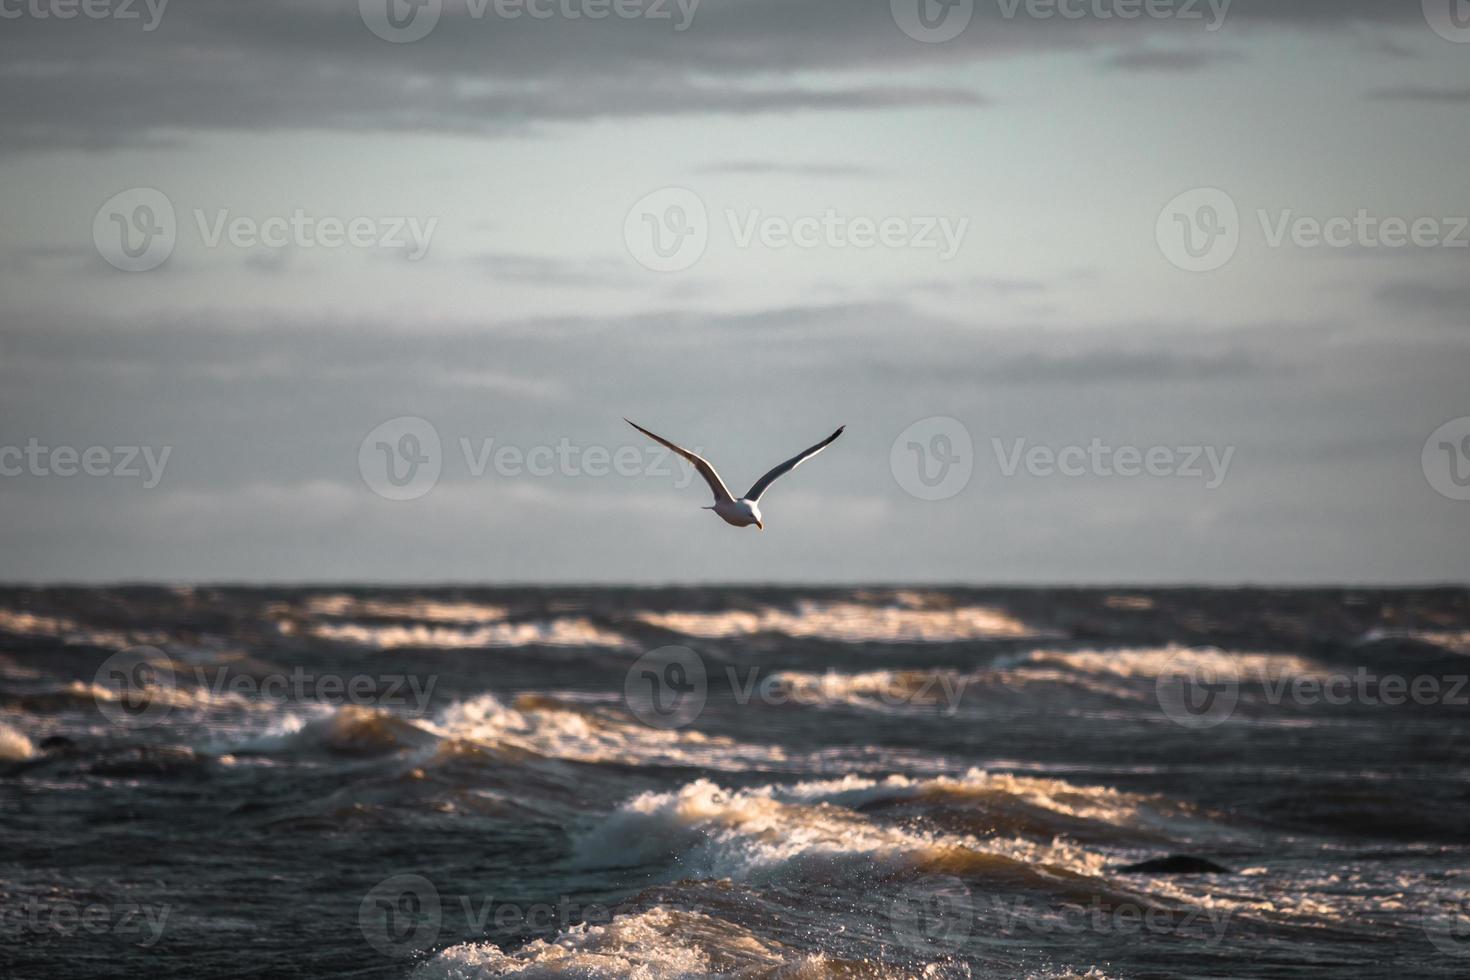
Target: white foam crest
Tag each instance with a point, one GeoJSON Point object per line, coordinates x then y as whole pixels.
{"type": "Point", "coordinates": [583, 733]}
{"type": "Point", "coordinates": [1098, 803]}
{"type": "Point", "coordinates": [70, 631]}
{"type": "Point", "coordinates": [849, 622]}
{"type": "Point", "coordinates": [1150, 663]}
{"type": "Point", "coordinates": [659, 944]}
{"type": "Point", "coordinates": [890, 690]}
{"type": "Point", "coordinates": [1456, 641]}
{"type": "Point", "coordinates": [423, 610]}
{"type": "Point", "coordinates": [563, 632]}
{"type": "Point", "coordinates": [14, 745]}
{"type": "Point", "coordinates": [710, 831]}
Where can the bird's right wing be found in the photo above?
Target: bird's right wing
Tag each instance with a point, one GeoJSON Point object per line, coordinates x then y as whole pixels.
{"type": "Point", "coordinates": [754, 493]}
{"type": "Point", "coordinates": [699, 462]}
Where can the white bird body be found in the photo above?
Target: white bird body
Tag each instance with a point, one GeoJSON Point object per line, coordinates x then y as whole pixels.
{"type": "Point", "coordinates": [739, 511]}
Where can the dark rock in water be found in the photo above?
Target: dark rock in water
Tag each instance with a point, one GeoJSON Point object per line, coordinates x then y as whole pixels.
{"type": "Point", "coordinates": [1176, 864]}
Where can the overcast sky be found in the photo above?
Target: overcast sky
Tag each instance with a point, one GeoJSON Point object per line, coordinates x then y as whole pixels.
{"type": "Point", "coordinates": [1104, 290]}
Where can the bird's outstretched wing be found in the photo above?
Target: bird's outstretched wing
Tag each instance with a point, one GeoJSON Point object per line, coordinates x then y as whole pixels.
{"type": "Point", "coordinates": [700, 463]}
{"type": "Point", "coordinates": [791, 464]}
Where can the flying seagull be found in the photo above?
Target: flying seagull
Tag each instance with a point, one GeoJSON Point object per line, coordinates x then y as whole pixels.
{"type": "Point", "coordinates": [746, 510]}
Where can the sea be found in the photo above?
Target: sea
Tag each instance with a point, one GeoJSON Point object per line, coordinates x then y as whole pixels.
{"type": "Point", "coordinates": [734, 781]}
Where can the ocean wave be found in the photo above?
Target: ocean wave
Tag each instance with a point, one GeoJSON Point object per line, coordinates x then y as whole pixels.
{"type": "Point", "coordinates": [848, 622]}
{"type": "Point", "coordinates": [659, 944]}
{"type": "Point", "coordinates": [567, 729]}
{"type": "Point", "coordinates": [15, 746]}
{"type": "Point", "coordinates": [705, 830]}
{"type": "Point", "coordinates": [421, 610]}
{"type": "Point", "coordinates": [563, 632]}
{"type": "Point", "coordinates": [72, 632]}
{"type": "Point", "coordinates": [1151, 663]}
{"type": "Point", "coordinates": [889, 690]}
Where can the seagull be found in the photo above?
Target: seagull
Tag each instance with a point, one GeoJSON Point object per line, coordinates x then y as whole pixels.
{"type": "Point", "coordinates": [746, 510]}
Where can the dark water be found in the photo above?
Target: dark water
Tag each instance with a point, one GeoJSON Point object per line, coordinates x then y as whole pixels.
{"type": "Point", "coordinates": [733, 782]}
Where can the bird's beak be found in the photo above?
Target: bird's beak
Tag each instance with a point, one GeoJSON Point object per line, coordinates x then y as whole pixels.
{"type": "Point", "coordinates": [759, 526]}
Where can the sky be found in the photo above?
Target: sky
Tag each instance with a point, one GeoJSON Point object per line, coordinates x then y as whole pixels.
{"type": "Point", "coordinates": [1105, 291]}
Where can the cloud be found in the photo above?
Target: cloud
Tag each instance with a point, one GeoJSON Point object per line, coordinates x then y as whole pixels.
{"type": "Point", "coordinates": [768, 168]}
{"type": "Point", "coordinates": [1417, 93]}
{"type": "Point", "coordinates": [1453, 301]}
{"type": "Point", "coordinates": [1170, 62]}
{"type": "Point", "coordinates": [278, 64]}
{"type": "Point", "coordinates": [546, 270]}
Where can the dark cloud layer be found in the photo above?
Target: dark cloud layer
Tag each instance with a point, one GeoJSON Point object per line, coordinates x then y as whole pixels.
{"type": "Point", "coordinates": [221, 64]}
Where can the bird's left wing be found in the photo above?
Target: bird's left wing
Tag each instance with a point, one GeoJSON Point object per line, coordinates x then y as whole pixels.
{"type": "Point", "coordinates": [791, 464]}
{"type": "Point", "coordinates": [716, 485]}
